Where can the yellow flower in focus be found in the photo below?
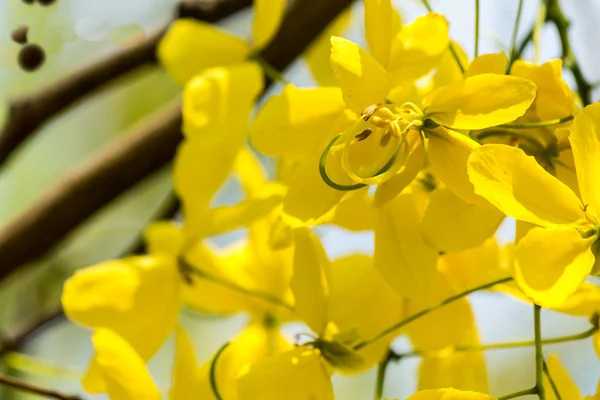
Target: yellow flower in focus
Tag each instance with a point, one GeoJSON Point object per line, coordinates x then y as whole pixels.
{"type": "Point", "coordinates": [552, 260]}
{"type": "Point", "coordinates": [190, 46]}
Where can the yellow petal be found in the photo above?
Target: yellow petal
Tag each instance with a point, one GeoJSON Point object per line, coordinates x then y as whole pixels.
{"type": "Point", "coordinates": [448, 153]}
{"type": "Point", "coordinates": [268, 15]}
{"type": "Point", "coordinates": [307, 180]}
{"type": "Point", "coordinates": [480, 101]}
{"type": "Point", "coordinates": [362, 79]}
{"type": "Point", "coordinates": [389, 189]}
{"type": "Point", "coordinates": [355, 212]}
{"type": "Point", "coordinates": [164, 238]}
{"type": "Point", "coordinates": [310, 282]}
{"type": "Point", "coordinates": [551, 264]}
{"type": "Point", "coordinates": [401, 255]}
{"type": "Point", "coordinates": [249, 171]}
{"type": "Point", "coordinates": [122, 296]}
{"type": "Point", "coordinates": [448, 70]}
{"type": "Point", "coordinates": [449, 394]}
{"type": "Point", "coordinates": [124, 371]}
{"type": "Point", "coordinates": [189, 381]}
{"type": "Point", "coordinates": [585, 142]}
{"type": "Point", "coordinates": [450, 224]}
{"type": "Point", "coordinates": [519, 187]}
{"type": "Point", "coordinates": [298, 374]}
{"type": "Point", "coordinates": [381, 26]}
{"type": "Point", "coordinates": [297, 121]}
{"type": "Point", "coordinates": [183, 49]}
{"type": "Point", "coordinates": [565, 386]}
{"type": "Point", "coordinates": [442, 367]}
{"type": "Point", "coordinates": [494, 63]}
{"type": "Point", "coordinates": [418, 48]}
{"type": "Point", "coordinates": [362, 301]}
{"type": "Point", "coordinates": [317, 55]}
{"type": "Point", "coordinates": [584, 302]}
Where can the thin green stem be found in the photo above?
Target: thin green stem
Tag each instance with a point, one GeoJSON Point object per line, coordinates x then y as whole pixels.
{"type": "Point", "coordinates": [541, 124]}
{"type": "Point", "coordinates": [513, 42]}
{"type": "Point", "coordinates": [188, 269]}
{"type": "Point", "coordinates": [381, 370]}
{"type": "Point", "coordinates": [271, 72]}
{"type": "Point", "coordinates": [213, 372]}
{"type": "Point", "coordinates": [451, 46]}
{"type": "Point", "coordinates": [428, 310]}
{"type": "Point", "coordinates": [539, 354]}
{"type": "Point", "coordinates": [31, 388]}
{"type": "Point", "coordinates": [519, 394]}
{"type": "Point", "coordinates": [476, 28]}
{"type": "Point", "coordinates": [552, 383]}
{"type": "Point", "coordinates": [507, 345]}
{"type": "Point", "coordinates": [500, 133]}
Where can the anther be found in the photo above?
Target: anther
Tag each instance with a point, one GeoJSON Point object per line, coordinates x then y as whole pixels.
{"type": "Point", "coordinates": [364, 134]}
{"type": "Point", "coordinates": [19, 35]}
{"type": "Point", "coordinates": [369, 112]}
{"type": "Point", "coordinates": [385, 139]}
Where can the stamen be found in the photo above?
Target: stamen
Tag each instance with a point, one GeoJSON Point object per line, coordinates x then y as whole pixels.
{"type": "Point", "coordinates": [396, 131]}
{"type": "Point", "coordinates": [379, 122]}
{"type": "Point", "coordinates": [387, 113]}
{"type": "Point", "coordinates": [385, 139]}
{"type": "Point", "coordinates": [364, 134]}
{"type": "Point", "coordinates": [369, 112]}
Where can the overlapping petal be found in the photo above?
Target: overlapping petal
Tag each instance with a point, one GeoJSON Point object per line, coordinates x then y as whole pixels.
{"type": "Point", "coordinates": [268, 15]}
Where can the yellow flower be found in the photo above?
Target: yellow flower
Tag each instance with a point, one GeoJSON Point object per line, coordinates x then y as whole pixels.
{"type": "Point", "coordinates": [552, 260]}
{"type": "Point", "coordinates": [449, 394]}
{"type": "Point", "coordinates": [339, 302]}
{"type": "Point", "coordinates": [191, 46]}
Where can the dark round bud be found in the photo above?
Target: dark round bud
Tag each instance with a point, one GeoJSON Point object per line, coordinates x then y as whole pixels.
{"type": "Point", "coordinates": [46, 2]}
{"type": "Point", "coordinates": [19, 34]}
{"type": "Point", "coordinates": [31, 57]}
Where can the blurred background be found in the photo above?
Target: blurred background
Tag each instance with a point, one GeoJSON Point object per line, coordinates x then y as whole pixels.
{"type": "Point", "coordinates": [75, 32]}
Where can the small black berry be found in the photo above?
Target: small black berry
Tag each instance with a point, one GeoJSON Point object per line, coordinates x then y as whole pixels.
{"type": "Point", "coordinates": [31, 57]}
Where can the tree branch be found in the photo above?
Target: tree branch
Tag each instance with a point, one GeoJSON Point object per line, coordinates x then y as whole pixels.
{"type": "Point", "coordinates": [31, 388]}
{"type": "Point", "coordinates": [90, 187]}
{"type": "Point", "coordinates": [31, 111]}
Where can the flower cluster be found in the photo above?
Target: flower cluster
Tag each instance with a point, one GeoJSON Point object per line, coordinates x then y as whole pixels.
{"type": "Point", "coordinates": [410, 140]}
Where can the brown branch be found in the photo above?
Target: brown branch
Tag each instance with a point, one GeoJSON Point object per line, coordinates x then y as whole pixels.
{"type": "Point", "coordinates": [31, 388]}
{"type": "Point", "coordinates": [87, 189]}
{"type": "Point", "coordinates": [31, 111]}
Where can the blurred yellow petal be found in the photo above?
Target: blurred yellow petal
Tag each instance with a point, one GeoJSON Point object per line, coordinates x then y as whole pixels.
{"type": "Point", "coordinates": [448, 153]}
{"type": "Point", "coordinates": [567, 389]}
{"type": "Point", "coordinates": [309, 198]}
{"type": "Point", "coordinates": [317, 55]}
{"type": "Point", "coordinates": [585, 143]}
{"type": "Point", "coordinates": [311, 280]}
{"type": "Point", "coordinates": [362, 79]}
{"type": "Point", "coordinates": [268, 15]}
{"type": "Point", "coordinates": [521, 188]}
{"type": "Point", "coordinates": [449, 394]}
{"type": "Point", "coordinates": [137, 297]}
{"type": "Point", "coordinates": [480, 101]}
{"type": "Point", "coordinates": [362, 301]}
{"type": "Point", "coordinates": [474, 267]}
{"type": "Point", "coordinates": [494, 63]}
{"type": "Point", "coordinates": [389, 189]}
{"type": "Point", "coordinates": [450, 224]}
{"type": "Point", "coordinates": [183, 50]}
{"type": "Point", "coordinates": [164, 238]}
{"type": "Point", "coordinates": [297, 121]}
{"type": "Point", "coordinates": [250, 171]}
{"type": "Point", "coordinates": [418, 48]}
{"type": "Point", "coordinates": [380, 28]}
{"type": "Point", "coordinates": [442, 367]}
{"type": "Point", "coordinates": [551, 264]}
{"type": "Point", "coordinates": [189, 381]}
{"type": "Point", "coordinates": [355, 212]}
{"type": "Point", "coordinates": [298, 374]}
{"type": "Point", "coordinates": [124, 371]}
{"type": "Point", "coordinates": [448, 70]}
{"type": "Point", "coordinates": [401, 255]}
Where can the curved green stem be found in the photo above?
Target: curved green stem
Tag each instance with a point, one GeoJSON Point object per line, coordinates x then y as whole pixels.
{"type": "Point", "coordinates": [552, 383]}
{"type": "Point", "coordinates": [541, 124]}
{"type": "Point", "coordinates": [381, 370]}
{"type": "Point", "coordinates": [213, 372]}
{"type": "Point", "coordinates": [507, 345]}
{"type": "Point", "coordinates": [513, 42]}
{"type": "Point", "coordinates": [519, 394]}
{"type": "Point", "coordinates": [476, 28]}
{"type": "Point", "coordinates": [518, 135]}
{"type": "Point", "coordinates": [539, 354]}
{"type": "Point", "coordinates": [356, 186]}
{"type": "Point", "coordinates": [428, 310]}
{"type": "Point", "coordinates": [188, 269]}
